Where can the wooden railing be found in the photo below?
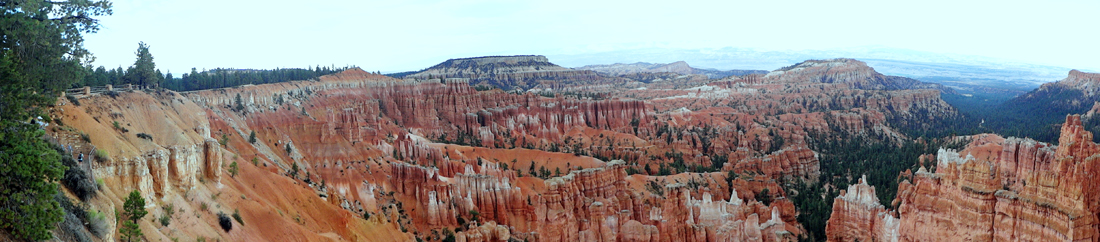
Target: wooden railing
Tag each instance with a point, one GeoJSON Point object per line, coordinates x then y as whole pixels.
{"type": "Point", "coordinates": [89, 90]}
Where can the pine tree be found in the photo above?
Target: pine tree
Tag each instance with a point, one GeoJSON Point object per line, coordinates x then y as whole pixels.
{"type": "Point", "coordinates": [41, 50]}
{"type": "Point", "coordinates": [144, 71]}
{"type": "Point", "coordinates": [134, 210]}
{"type": "Point", "coordinates": [240, 105]}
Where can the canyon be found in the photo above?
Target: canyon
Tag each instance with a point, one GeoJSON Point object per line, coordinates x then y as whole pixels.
{"type": "Point", "coordinates": [571, 156]}
{"type": "Point", "coordinates": [611, 136]}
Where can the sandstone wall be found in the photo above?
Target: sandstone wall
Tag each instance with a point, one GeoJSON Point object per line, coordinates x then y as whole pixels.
{"type": "Point", "coordinates": [212, 165]}
{"type": "Point", "coordinates": [858, 216]}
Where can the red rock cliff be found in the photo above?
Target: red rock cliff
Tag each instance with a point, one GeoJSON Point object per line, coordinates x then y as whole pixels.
{"type": "Point", "coordinates": [996, 189]}
{"type": "Point", "coordinates": [858, 216]}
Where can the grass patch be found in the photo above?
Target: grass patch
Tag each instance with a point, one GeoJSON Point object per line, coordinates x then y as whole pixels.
{"type": "Point", "coordinates": [97, 223]}
{"type": "Point", "coordinates": [102, 155]}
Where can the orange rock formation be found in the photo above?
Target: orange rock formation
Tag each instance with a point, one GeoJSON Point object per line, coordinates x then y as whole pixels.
{"type": "Point", "coordinates": [1001, 189]}
{"type": "Point", "coordinates": [424, 158]}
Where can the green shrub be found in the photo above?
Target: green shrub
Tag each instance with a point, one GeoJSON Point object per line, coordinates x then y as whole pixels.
{"type": "Point", "coordinates": [102, 155]}
{"type": "Point", "coordinates": [77, 181]}
{"type": "Point", "coordinates": [169, 209]}
{"type": "Point", "coordinates": [764, 197]}
{"type": "Point", "coordinates": [233, 169]}
{"type": "Point", "coordinates": [225, 222]}
{"type": "Point", "coordinates": [75, 178]}
{"type": "Point", "coordinates": [224, 140]}
{"type": "Point", "coordinates": [237, 216]}
{"type": "Point", "coordinates": [119, 127]}
{"type": "Point", "coordinates": [73, 100]}
{"type": "Point", "coordinates": [72, 225]}
{"type": "Point", "coordinates": [97, 223]}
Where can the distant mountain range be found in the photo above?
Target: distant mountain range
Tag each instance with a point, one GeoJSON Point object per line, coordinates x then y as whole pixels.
{"type": "Point", "coordinates": [679, 67]}
{"type": "Point", "coordinates": [959, 71]}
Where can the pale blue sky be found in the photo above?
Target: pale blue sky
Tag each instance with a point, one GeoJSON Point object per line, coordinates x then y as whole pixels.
{"type": "Point", "coordinates": [410, 35]}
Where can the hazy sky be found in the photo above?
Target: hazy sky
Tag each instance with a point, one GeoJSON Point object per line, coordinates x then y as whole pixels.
{"type": "Point", "coordinates": [410, 35]}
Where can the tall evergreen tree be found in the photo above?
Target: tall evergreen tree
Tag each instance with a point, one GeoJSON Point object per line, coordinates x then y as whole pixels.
{"type": "Point", "coordinates": [134, 209]}
{"type": "Point", "coordinates": [144, 71]}
{"type": "Point", "coordinates": [170, 81]}
{"type": "Point", "coordinates": [118, 76]}
{"type": "Point", "coordinates": [41, 54]}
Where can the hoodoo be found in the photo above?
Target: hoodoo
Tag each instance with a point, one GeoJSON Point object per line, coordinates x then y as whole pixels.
{"type": "Point", "coordinates": [994, 189]}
